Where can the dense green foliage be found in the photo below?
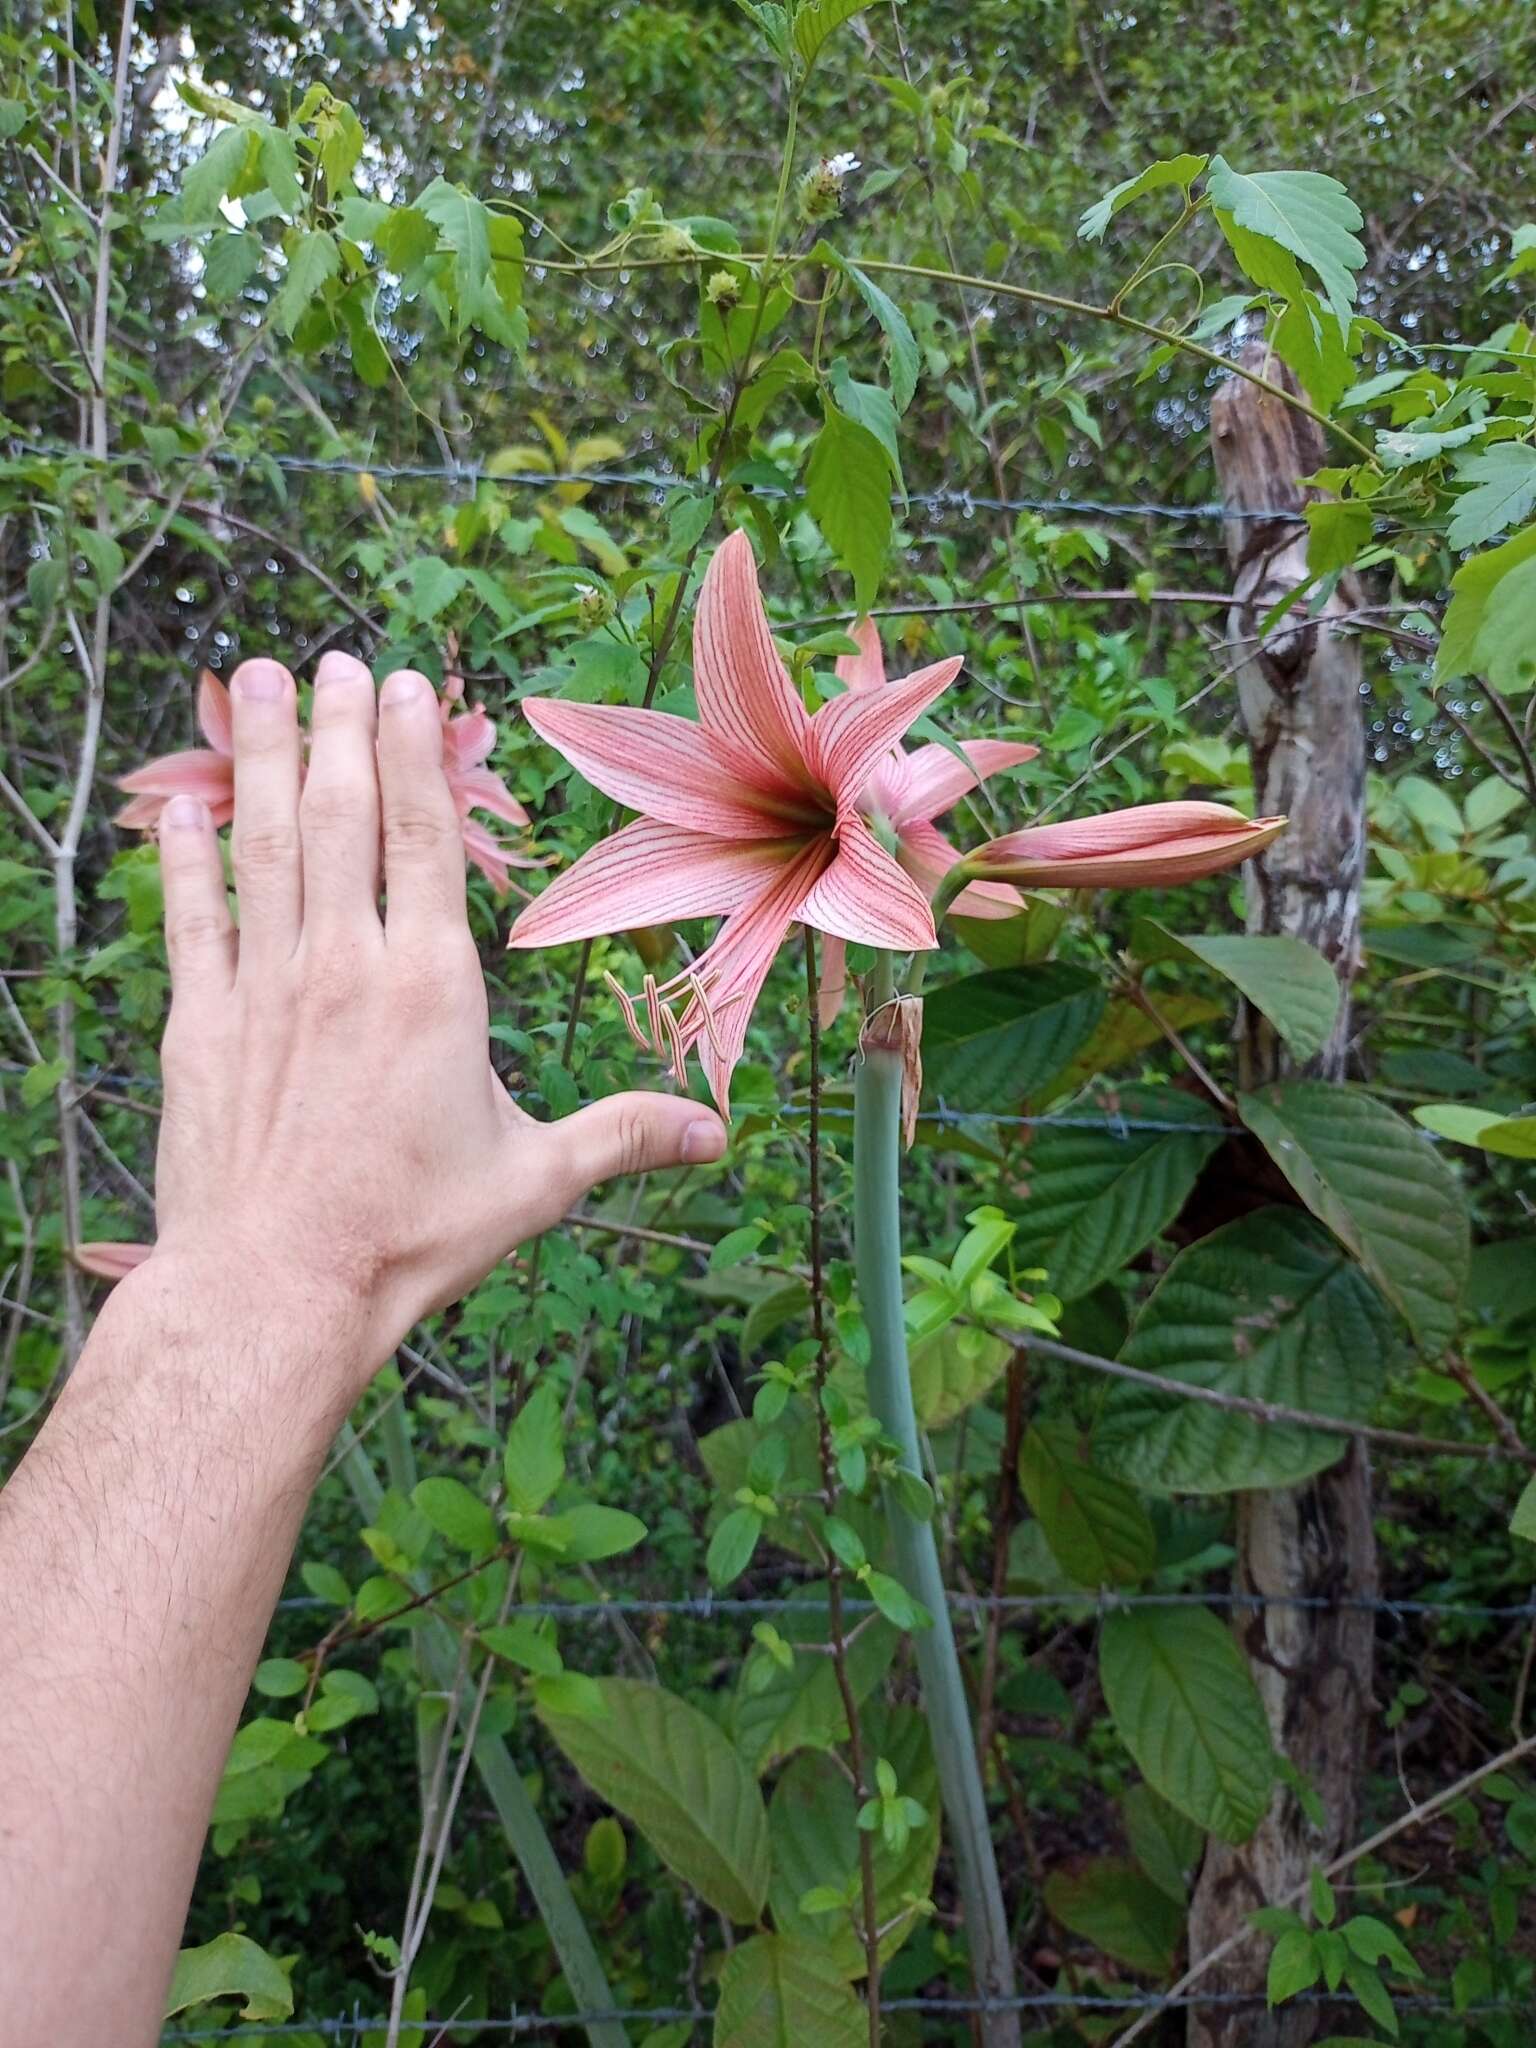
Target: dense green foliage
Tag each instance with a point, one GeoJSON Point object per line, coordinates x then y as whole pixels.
{"type": "Point", "coordinates": [461, 340]}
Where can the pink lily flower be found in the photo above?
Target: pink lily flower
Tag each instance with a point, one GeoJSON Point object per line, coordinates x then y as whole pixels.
{"type": "Point", "coordinates": [111, 1261]}
{"type": "Point", "coordinates": [754, 813]}
{"type": "Point", "coordinates": [1147, 845]}
{"type": "Point", "coordinates": [209, 772]}
{"type": "Point", "coordinates": [904, 795]}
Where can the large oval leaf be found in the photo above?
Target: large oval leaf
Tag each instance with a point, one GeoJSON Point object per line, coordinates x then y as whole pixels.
{"type": "Point", "coordinates": [1188, 1710]}
{"type": "Point", "coordinates": [1381, 1189]}
{"type": "Point", "coordinates": [993, 1038]}
{"type": "Point", "coordinates": [1096, 1197]}
{"type": "Point", "coordinates": [670, 1770]}
{"type": "Point", "coordinates": [1098, 1531]}
{"type": "Point", "coordinates": [1269, 1307]}
{"type": "Point", "coordinates": [1122, 1912]}
{"type": "Point", "coordinates": [777, 1711]}
{"type": "Point", "coordinates": [776, 1992]}
{"type": "Point", "coordinates": [1286, 979]}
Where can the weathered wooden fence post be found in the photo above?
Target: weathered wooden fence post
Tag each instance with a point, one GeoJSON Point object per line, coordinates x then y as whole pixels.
{"type": "Point", "coordinates": [1299, 688]}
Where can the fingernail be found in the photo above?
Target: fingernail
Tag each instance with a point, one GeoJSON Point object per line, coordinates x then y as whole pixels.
{"type": "Point", "coordinates": [259, 682]}
{"type": "Point", "coordinates": [335, 667]}
{"type": "Point", "coordinates": [401, 687]}
{"type": "Point", "coordinates": [186, 814]}
{"type": "Point", "coordinates": [702, 1142]}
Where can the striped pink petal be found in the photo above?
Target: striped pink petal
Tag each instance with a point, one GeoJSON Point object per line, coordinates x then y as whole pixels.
{"type": "Point", "coordinates": [649, 873]}
{"type": "Point", "coordinates": [744, 693]}
{"type": "Point", "coordinates": [928, 857]}
{"type": "Point", "coordinates": [195, 772]}
{"type": "Point", "coordinates": [866, 669]}
{"type": "Point", "coordinates": [467, 739]}
{"type": "Point", "coordinates": [865, 896]}
{"type": "Point", "coordinates": [1143, 846]}
{"type": "Point", "coordinates": [734, 966]}
{"type": "Point", "coordinates": [849, 736]}
{"type": "Point", "coordinates": [477, 789]}
{"type": "Point", "coordinates": [667, 767]}
{"type": "Point", "coordinates": [110, 1261]}
{"type": "Point", "coordinates": [934, 779]}
{"type": "Point", "coordinates": [214, 714]}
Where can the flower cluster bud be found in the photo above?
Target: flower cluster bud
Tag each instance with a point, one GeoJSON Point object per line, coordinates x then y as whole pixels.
{"type": "Point", "coordinates": [821, 189]}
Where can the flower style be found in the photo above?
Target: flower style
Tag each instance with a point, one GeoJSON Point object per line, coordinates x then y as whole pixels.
{"type": "Point", "coordinates": [904, 795]}
{"type": "Point", "coordinates": [754, 813]}
{"type": "Point", "coordinates": [1145, 846]}
{"type": "Point", "coordinates": [209, 772]}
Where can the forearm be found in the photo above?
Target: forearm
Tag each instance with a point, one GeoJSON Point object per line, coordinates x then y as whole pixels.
{"type": "Point", "coordinates": [143, 1543]}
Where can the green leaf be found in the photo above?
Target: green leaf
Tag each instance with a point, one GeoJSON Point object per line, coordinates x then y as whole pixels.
{"type": "Point", "coordinates": [816, 20]}
{"type": "Point", "coordinates": [1294, 1965]}
{"type": "Point", "coordinates": [1098, 1532]}
{"type": "Point", "coordinates": [735, 1246]}
{"type": "Point", "coordinates": [1373, 1941]}
{"type": "Point", "coordinates": [1338, 530]}
{"type": "Point", "coordinates": [230, 1966]}
{"type": "Point", "coordinates": [732, 1545]}
{"type": "Point", "coordinates": [1306, 213]}
{"type": "Point", "coordinates": [776, 1992]}
{"type": "Point", "coordinates": [1504, 652]}
{"type": "Point", "coordinates": [1285, 978]}
{"type": "Point", "coordinates": [1269, 1307]}
{"type": "Point", "coordinates": [1522, 1522]}
{"type": "Point", "coordinates": [1382, 1189]}
{"type": "Point", "coordinates": [906, 359]}
{"type": "Point", "coordinates": [952, 1370]}
{"type": "Point", "coordinates": [1165, 1842]}
{"type": "Point", "coordinates": [315, 259]}
{"type": "Point", "coordinates": [279, 1678]}
{"type": "Point", "coordinates": [812, 1821]}
{"type": "Point", "coordinates": [40, 1081]}
{"type": "Point", "coordinates": [1472, 588]}
{"type": "Point", "coordinates": [872, 407]}
{"type": "Point", "coordinates": [1173, 170]}
{"type": "Point", "coordinates": [523, 1643]}
{"type": "Point", "coordinates": [1187, 1709]}
{"type": "Point", "coordinates": [802, 1708]}
{"type": "Point", "coordinates": [1504, 480]}
{"type": "Point", "coordinates": [534, 1464]}
{"type": "Point", "coordinates": [229, 263]}
{"type": "Point", "coordinates": [1371, 1993]}
{"type": "Point", "coordinates": [670, 1770]}
{"type": "Point", "coordinates": [326, 1583]}
{"type": "Point", "coordinates": [280, 168]}
{"type": "Point", "coordinates": [1098, 1197]}
{"type": "Point", "coordinates": [587, 1532]}
{"type": "Point", "coordinates": [214, 173]}
{"type": "Point", "coordinates": [456, 1513]}
{"type": "Point", "coordinates": [848, 491]}
{"type": "Point", "coordinates": [1512, 1136]}
{"type": "Point", "coordinates": [1111, 1904]}
{"type": "Point", "coordinates": [995, 1038]}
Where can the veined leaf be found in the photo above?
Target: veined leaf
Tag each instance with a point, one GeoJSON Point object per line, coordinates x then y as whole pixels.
{"type": "Point", "coordinates": [1165, 1842]}
{"type": "Point", "coordinates": [1125, 1030]}
{"type": "Point", "coordinates": [315, 259]}
{"type": "Point", "coordinates": [1187, 1709]}
{"type": "Point", "coordinates": [1271, 1307]}
{"type": "Point", "coordinates": [816, 20]}
{"type": "Point", "coordinates": [1512, 1136]}
{"type": "Point", "coordinates": [1172, 170]}
{"type": "Point", "coordinates": [1381, 1189]}
{"type": "Point", "coordinates": [1122, 1912]}
{"type": "Point", "coordinates": [777, 1992]}
{"type": "Point", "coordinates": [906, 360]}
{"type": "Point", "coordinates": [1307, 213]}
{"type": "Point", "coordinates": [1096, 1197]}
{"type": "Point", "coordinates": [1098, 1531]}
{"type": "Point", "coordinates": [994, 1038]}
{"type": "Point", "coordinates": [534, 1462]}
{"type": "Point", "coordinates": [1285, 978]}
{"type": "Point", "coordinates": [670, 1770]}
{"type": "Point", "coordinates": [231, 1966]}
{"type": "Point", "coordinates": [848, 491]}
{"type": "Point", "coordinates": [802, 1707]}
{"type": "Point", "coordinates": [952, 1370]}
{"type": "Point", "coordinates": [1472, 588]}
{"type": "Point", "coordinates": [1504, 481]}
{"type": "Point", "coordinates": [456, 1513]}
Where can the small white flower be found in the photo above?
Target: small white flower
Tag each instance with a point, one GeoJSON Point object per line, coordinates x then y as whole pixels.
{"type": "Point", "coordinates": [586, 592]}
{"type": "Point", "coordinates": [840, 165]}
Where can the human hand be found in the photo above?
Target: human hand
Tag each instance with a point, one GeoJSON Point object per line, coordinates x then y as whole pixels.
{"type": "Point", "coordinates": [334, 1137]}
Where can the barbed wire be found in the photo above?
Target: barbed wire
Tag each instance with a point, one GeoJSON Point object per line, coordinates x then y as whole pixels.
{"type": "Point", "coordinates": [343, 2025]}
{"type": "Point", "coordinates": [709, 1607]}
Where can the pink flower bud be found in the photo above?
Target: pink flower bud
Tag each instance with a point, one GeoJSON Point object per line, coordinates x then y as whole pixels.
{"type": "Point", "coordinates": [1143, 847]}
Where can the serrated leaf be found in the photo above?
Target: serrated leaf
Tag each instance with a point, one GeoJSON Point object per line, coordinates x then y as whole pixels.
{"type": "Point", "coordinates": [1094, 1198]}
{"type": "Point", "coordinates": [905, 357]}
{"type": "Point", "coordinates": [1285, 978]}
{"type": "Point", "coordinates": [994, 1038]}
{"type": "Point", "coordinates": [1185, 1704]}
{"type": "Point", "coordinates": [1472, 587]}
{"type": "Point", "coordinates": [313, 262]}
{"type": "Point", "coordinates": [231, 1966]}
{"type": "Point", "coordinates": [1504, 490]}
{"type": "Point", "coordinates": [816, 20]}
{"type": "Point", "coordinates": [1504, 653]}
{"type": "Point", "coordinates": [1269, 1307]}
{"type": "Point", "coordinates": [1097, 1530]}
{"type": "Point", "coordinates": [1110, 1903]}
{"type": "Point", "coordinates": [848, 492]}
{"type": "Point", "coordinates": [1306, 213]}
{"type": "Point", "coordinates": [670, 1770]}
{"type": "Point", "coordinates": [776, 1992]}
{"type": "Point", "coordinates": [812, 1822]}
{"type": "Point", "coordinates": [1173, 170]}
{"type": "Point", "coordinates": [1337, 530]}
{"type": "Point", "coordinates": [229, 262]}
{"type": "Point", "coordinates": [534, 1462]}
{"type": "Point", "coordinates": [212, 176]}
{"type": "Point", "coordinates": [1381, 1188]}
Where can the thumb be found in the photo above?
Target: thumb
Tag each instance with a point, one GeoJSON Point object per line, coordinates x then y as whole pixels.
{"type": "Point", "coordinates": [636, 1133]}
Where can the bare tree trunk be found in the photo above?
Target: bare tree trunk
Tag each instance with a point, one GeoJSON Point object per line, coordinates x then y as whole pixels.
{"type": "Point", "coordinates": [1300, 692]}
